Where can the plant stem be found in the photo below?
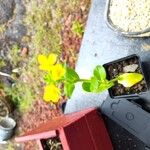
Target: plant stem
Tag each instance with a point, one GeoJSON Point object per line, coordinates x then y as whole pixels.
{"type": "Point", "coordinates": [83, 80]}
{"type": "Point", "coordinates": [5, 74]}
{"type": "Point", "coordinates": [114, 80]}
{"type": "Point", "coordinates": [87, 80]}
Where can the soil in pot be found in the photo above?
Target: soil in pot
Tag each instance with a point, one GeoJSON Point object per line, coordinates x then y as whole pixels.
{"type": "Point", "coordinates": [127, 65]}
{"type": "Point", "coordinates": [52, 144]}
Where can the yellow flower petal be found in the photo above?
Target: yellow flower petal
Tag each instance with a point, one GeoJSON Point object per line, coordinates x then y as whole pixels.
{"type": "Point", "coordinates": [42, 59]}
{"type": "Point", "coordinates": [52, 93]}
{"type": "Point", "coordinates": [46, 62]}
{"type": "Point", "coordinates": [58, 71]}
{"type": "Point", "coordinates": [52, 58]}
{"type": "Point", "coordinates": [45, 67]}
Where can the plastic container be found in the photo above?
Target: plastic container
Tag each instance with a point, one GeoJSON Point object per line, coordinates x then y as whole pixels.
{"type": "Point", "coordinates": [7, 126]}
{"type": "Point", "coordinates": [120, 60]}
{"type": "Point", "coordinates": [130, 115]}
{"type": "Point", "coordinates": [115, 28]}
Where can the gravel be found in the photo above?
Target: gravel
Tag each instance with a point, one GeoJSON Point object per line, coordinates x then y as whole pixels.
{"type": "Point", "coordinates": [6, 10]}
{"type": "Point", "coordinates": [130, 15]}
{"type": "Point", "coordinates": [130, 68]}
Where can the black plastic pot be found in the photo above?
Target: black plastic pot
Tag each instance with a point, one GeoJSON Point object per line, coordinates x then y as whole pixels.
{"type": "Point", "coordinates": [134, 56]}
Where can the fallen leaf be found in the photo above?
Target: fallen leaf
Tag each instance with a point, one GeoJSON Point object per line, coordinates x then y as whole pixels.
{"type": "Point", "coordinates": [24, 52]}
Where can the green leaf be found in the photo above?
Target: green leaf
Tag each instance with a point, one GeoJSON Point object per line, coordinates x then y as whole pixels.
{"type": "Point", "coordinates": [71, 76]}
{"type": "Point", "coordinates": [47, 78]}
{"type": "Point", "coordinates": [86, 86]}
{"type": "Point", "coordinates": [105, 86]}
{"type": "Point", "coordinates": [68, 89]}
{"type": "Point", "coordinates": [129, 79]}
{"type": "Point", "coordinates": [94, 84]}
{"type": "Point", "coordinates": [97, 86]}
{"type": "Point", "coordinates": [100, 73]}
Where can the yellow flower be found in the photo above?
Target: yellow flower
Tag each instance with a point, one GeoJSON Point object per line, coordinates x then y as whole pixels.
{"type": "Point", "coordinates": [58, 71]}
{"type": "Point", "coordinates": [46, 63]}
{"type": "Point", "coordinates": [52, 93]}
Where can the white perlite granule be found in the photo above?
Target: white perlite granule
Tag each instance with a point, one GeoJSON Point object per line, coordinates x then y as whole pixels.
{"type": "Point", "coordinates": [130, 15]}
{"type": "Point", "coordinates": [130, 68]}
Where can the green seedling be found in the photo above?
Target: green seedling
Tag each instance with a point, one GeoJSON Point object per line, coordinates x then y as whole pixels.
{"type": "Point", "coordinates": [58, 74]}
{"type": "Point", "coordinates": [98, 82]}
{"type": "Point", "coordinates": [77, 28]}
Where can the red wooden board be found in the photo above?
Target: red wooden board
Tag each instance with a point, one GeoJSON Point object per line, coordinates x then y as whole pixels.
{"type": "Point", "coordinates": [50, 128]}
{"type": "Point", "coordinates": [84, 130]}
{"type": "Point", "coordinates": [86, 133]}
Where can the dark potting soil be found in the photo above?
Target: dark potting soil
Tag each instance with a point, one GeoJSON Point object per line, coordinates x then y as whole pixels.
{"type": "Point", "coordinates": [52, 144]}
{"type": "Point", "coordinates": [113, 70]}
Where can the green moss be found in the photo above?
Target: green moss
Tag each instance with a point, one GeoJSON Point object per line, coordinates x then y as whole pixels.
{"type": "Point", "coordinates": [14, 55]}
{"type": "Point", "coordinates": [21, 95]}
{"type": "Point", "coordinates": [2, 63]}
{"type": "Point", "coordinates": [26, 88]}
{"type": "Point", "coordinates": [74, 3]}
{"type": "Point", "coordinates": [10, 146]}
{"type": "Point", "coordinates": [45, 18]}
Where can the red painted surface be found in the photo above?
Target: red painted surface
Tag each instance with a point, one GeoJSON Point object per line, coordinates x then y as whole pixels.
{"type": "Point", "coordinates": [98, 131]}
{"type": "Point", "coordinates": [78, 136]}
{"type": "Point", "coordinates": [40, 145]}
{"type": "Point", "coordinates": [84, 130]}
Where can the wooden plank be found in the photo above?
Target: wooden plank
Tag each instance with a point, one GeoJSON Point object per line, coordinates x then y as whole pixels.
{"type": "Point", "coordinates": [49, 128]}
{"type": "Point", "coordinates": [42, 135]}
{"type": "Point", "coordinates": [78, 136]}
{"type": "Point", "coordinates": [98, 131]}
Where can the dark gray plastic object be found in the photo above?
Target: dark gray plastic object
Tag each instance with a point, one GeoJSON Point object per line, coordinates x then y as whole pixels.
{"type": "Point", "coordinates": [130, 116]}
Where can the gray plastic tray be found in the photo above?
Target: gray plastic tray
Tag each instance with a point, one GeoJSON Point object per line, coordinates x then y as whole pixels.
{"type": "Point", "coordinates": [130, 116]}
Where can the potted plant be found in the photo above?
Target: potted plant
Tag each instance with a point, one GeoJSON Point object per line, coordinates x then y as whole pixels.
{"type": "Point", "coordinates": [51, 144]}
{"type": "Point", "coordinates": [122, 66]}
{"type": "Point", "coordinates": [61, 79]}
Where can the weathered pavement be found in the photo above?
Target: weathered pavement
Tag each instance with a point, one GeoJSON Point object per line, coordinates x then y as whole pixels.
{"type": "Point", "coordinates": [12, 15]}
